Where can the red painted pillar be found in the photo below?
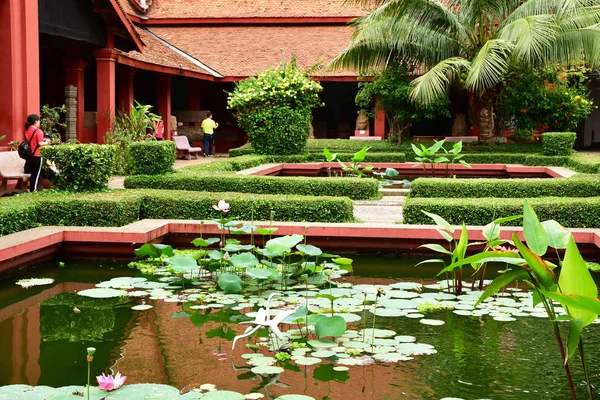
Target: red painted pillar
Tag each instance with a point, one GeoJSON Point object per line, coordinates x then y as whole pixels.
{"type": "Point", "coordinates": [105, 81]}
{"type": "Point", "coordinates": [74, 75]}
{"type": "Point", "coordinates": [379, 129]}
{"type": "Point", "coordinates": [164, 102]}
{"type": "Point", "coordinates": [19, 66]}
{"type": "Point", "coordinates": [125, 97]}
{"type": "Point", "coordinates": [194, 94]}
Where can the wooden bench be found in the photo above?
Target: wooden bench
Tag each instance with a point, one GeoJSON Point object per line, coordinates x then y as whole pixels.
{"type": "Point", "coordinates": [184, 149]}
{"type": "Point", "coordinates": [12, 169]}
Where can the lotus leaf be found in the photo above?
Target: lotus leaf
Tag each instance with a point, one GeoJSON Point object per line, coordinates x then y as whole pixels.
{"type": "Point", "coordinates": [244, 260]}
{"type": "Point", "coordinates": [230, 283]}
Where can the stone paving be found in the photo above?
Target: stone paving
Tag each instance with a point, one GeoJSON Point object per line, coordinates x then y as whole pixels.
{"type": "Point", "coordinates": [388, 210]}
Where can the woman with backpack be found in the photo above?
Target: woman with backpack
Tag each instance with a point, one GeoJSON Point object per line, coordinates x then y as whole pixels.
{"type": "Point", "coordinates": [34, 137]}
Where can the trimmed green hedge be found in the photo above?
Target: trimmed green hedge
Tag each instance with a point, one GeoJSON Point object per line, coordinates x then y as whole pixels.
{"type": "Point", "coordinates": [569, 212]}
{"type": "Point", "coordinates": [354, 188]}
{"type": "Point", "coordinates": [480, 147]}
{"type": "Point", "coordinates": [121, 207]}
{"type": "Point", "coordinates": [334, 145]}
{"type": "Point", "coordinates": [516, 158]}
{"type": "Point", "coordinates": [152, 157]}
{"type": "Point", "coordinates": [558, 143]}
{"type": "Point", "coordinates": [584, 163]}
{"type": "Point", "coordinates": [82, 167]}
{"type": "Point", "coordinates": [162, 204]}
{"type": "Point", "coordinates": [506, 188]}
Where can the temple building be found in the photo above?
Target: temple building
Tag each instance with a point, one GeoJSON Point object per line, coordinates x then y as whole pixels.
{"type": "Point", "coordinates": [181, 56]}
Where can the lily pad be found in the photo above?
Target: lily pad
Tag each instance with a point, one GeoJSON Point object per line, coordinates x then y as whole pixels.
{"type": "Point", "coordinates": [141, 307]}
{"type": "Point", "coordinates": [322, 343]}
{"type": "Point", "coordinates": [308, 361]}
{"type": "Point", "coordinates": [26, 283]}
{"type": "Point", "coordinates": [267, 370]}
{"type": "Point", "coordinates": [101, 293]}
{"type": "Point", "coordinates": [433, 322]}
{"type": "Point", "coordinates": [222, 395]}
{"type": "Point", "coordinates": [294, 397]}
{"type": "Point", "coordinates": [244, 260]}
{"type": "Point", "coordinates": [381, 333]}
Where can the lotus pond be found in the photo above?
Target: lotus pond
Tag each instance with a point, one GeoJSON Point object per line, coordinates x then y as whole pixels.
{"type": "Point", "coordinates": [427, 343]}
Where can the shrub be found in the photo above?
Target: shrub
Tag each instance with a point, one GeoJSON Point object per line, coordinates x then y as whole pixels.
{"type": "Point", "coordinates": [569, 212]}
{"type": "Point", "coordinates": [558, 143]}
{"type": "Point", "coordinates": [81, 167]}
{"type": "Point", "coordinates": [278, 130]}
{"type": "Point", "coordinates": [121, 207]}
{"type": "Point", "coordinates": [152, 157]}
{"type": "Point", "coordinates": [515, 188]}
{"type": "Point", "coordinates": [274, 109]}
{"type": "Point", "coordinates": [584, 163]}
{"type": "Point", "coordinates": [355, 188]}
{"type": "Point", "coordinates": [16, 216]}
{"type": "Point", "coordinates": [227, 165]}
{"type": "Point", "coordinates": [163, 204]}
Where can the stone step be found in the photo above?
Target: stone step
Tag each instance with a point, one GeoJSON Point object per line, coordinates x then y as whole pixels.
{"type": "Point", "coordinates": [394, 192]}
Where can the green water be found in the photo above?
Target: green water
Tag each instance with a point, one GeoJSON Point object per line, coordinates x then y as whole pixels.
{"type": "Point", "coordinates": [43, 342]}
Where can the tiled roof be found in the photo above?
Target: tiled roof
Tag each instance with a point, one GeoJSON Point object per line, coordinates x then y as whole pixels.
{"type": "Point", "coordinates": [155, 52]}
{"type": "Point", "coordinates": [249, 8]}
{"type": "Point", "coordinates": [241, 51]}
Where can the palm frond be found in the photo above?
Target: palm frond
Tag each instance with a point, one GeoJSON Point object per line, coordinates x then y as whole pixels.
{"type": "Point", "coordinates": [532, 37]}
{"type": "Point", "coordinates": [435, 83]}
{"type": "Point", "coordinates": [579, 18]}
{"type": "Point", "coordinates": [560, 8]}
{"type": "Point", "coordinates": [576, 46]}
{"type": "Point", "coordinates": [489, 66]}
{"type": "Point", "coordinates": [474, 12]}
{"type": "Point", "coordinates": [376, 40]}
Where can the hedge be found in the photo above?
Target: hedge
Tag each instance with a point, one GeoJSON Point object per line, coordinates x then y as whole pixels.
{"type": "Point", "coordinates": [584, 163]}
{"type": "Point", "coordinates": [334, 145]}
{"type": "Point", "coordinates": [558, 143]}
{"type": "Point", "coordinates": [569, 212]}
{"type": "Point", "coordinates": [152, 157]}
{"type": "Point", "coordinates": [162, 204]}
{"type": "Point", "coordinates": [121, 207]}
{"type": "Point", "coordinates": [81, 167]}
{"type": "Point", "coordinates": [354, 188]}
{"type": "Point", "coordinates": [516, 158]}
{"type": "Point", "coordinates": [480, 147]}
{"type": "Point", "coordinates": [506, 188]}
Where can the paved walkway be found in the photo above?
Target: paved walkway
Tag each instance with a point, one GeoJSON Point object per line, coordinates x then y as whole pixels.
{"type": "Point", "coordinates": [387, 211]}
{"type": "Point", "coordinates": [116, 182]}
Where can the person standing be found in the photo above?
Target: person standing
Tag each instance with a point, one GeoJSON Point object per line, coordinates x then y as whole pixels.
{"type": "Point", "coordinates": [208, 127]}
{"type": "Point", "coordinates": [35, 137]}
{"type": "Point", "coordinates": [159, 129]}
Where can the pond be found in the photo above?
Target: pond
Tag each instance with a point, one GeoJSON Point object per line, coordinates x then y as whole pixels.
{"type": "Point", "coordinates": [44, 332]}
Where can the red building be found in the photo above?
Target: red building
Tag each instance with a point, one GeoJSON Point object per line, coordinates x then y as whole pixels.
{"type": "Point", "coordinates": [178, 55]}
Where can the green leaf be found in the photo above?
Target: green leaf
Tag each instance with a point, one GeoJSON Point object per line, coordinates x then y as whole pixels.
{"type": "Point", "coordinates": [436, 247]}
{"type": "Point", "coordinates": [438, 160]}
{"type": "Point", "coordinates": [300, 313]}
{"type": "Point", "coordinates": [487, 256]}
{"type": "Point", "coordinates": [328, 156]}
{"type": "Point", "coordinates": [330, 326]}
{"type": "Point", "coordinates": [391, 172]}
{"type": "Point", "coordinates": [436, 146]}
{"type": "Point", "coordinates": [503, 220]}
{"type": "Point", "coordinates": [535, 235]}
{"type": "Point", "coordinates": [244, 260]}
{"type": "Point", "coordinates": [234, 248]}
{"type": "Point", "coordinates": [342, 261]}
{"type": "Point", "coordinates": [199, 242]}
{"type": "Point", "coordinates": [309, 250]}
{"type": "Point", "coordinates": [276, 249]}
{"type": "Point", "coordinates": [360, 155]}
{"type": "Point", "coordinates": [182, 261]}
{"type": "Point", "coordinates": [215, 255]}
{"type": "Point", "coordinates": [575, 279]}
{"type": "Point", "coordinates": [417, 151]}
{"type": "Point", "coordinates": [503, 280]}
{"type": "Point", "coordinates": [441, 222]}
{"type": "Point", "coordinates": [537, 265]}
{"type": "Point", "coordinates": [575, 329]}
{"type": "Point", "coordinates": [573, 301]}
{"type": "Point", "coordinates": [491, 231]}
{"type": "Point", "coordinates": [431, 261]}
{"type": "Point", "coordinates": [445, 234]}
{"type": "Point", "coordinates": [288, 241]}
{"type": "Point", "coordinates": [154, 250]}
{"type": "Point", "coordinates": [230, 283]}
{"type": "Point", "coordinates": [461, 247]}
{"type": "Point", "coordinates": [266, 231]}
{"type": "Point", "coordinates": [260, 273]}
{"type": "Point", "coordinates": [559, 235]}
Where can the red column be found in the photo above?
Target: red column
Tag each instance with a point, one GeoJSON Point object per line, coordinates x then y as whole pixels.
{"type": "Point", "coordinates": [105, 80]}
{"type": "Point", "coordinates": [379, 129]}
{"type": "Point", "coordinates": [125, 97]}
{"type": "Point", "coordinates": [19, 66]}
{"type": "Point", "coordinates": [164, 102]}
{"type": "Point", "coordinates": [194, 94]}
{"type": "Point", "coordinates": [74, 75]}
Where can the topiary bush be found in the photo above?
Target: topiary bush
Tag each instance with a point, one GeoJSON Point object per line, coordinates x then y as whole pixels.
{"type": "Point", "coordinates": [274, 109]}
{"type": "Point", "coordinates": [580, 212]}
{"type": "Point", "coordinates": [516, 188]}
{"type": "Point", "coordinates": [81, 167]}
{"type": "Point", "coordinates": [152, 157]}
{"type": "Point", "coordinates": [558, 143]}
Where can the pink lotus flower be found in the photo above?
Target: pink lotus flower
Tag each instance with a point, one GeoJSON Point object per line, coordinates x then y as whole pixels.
{"type": "Point", "coordinates": [512, 249]}
{"type": "Point", "coordinates": [110, 382]}
{"type": "Point", "coordinates": [226, 256]}
{"type": "Point", "coordinates": [222, 206]}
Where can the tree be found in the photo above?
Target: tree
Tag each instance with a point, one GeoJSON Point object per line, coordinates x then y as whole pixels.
{"type": "Point", "coordinates": [479, 38]}
{"type": "Point", "coordinates": [392, 88]}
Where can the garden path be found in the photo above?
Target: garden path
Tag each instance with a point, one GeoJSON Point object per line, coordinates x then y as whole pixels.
{"type": "Point", "coordinates": [116, 182]}
{"type": "Point", "coordinates": [388, 210]}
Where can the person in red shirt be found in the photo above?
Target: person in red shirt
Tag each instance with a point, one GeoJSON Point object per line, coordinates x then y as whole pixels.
{"type": "Point", "coordinates": [35, 137]}
{"type": "Point", "coordinates": [159, 129]}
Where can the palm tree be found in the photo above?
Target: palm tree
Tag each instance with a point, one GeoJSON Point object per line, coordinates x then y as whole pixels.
{"type": "Point", "coordinates": [478, 39]}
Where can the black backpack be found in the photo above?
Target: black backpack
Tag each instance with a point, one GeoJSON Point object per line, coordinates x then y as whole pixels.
{"type": "Point", "coordinates": [24, 148]}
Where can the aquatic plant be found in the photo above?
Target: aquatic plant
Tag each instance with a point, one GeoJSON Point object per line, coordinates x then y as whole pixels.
{"type": "Point", "coordinates": [574, 289]}
{"type": "Point", "coordinates": [354, 167]}
{"type": "Point", "coordinates": [90, 358]}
